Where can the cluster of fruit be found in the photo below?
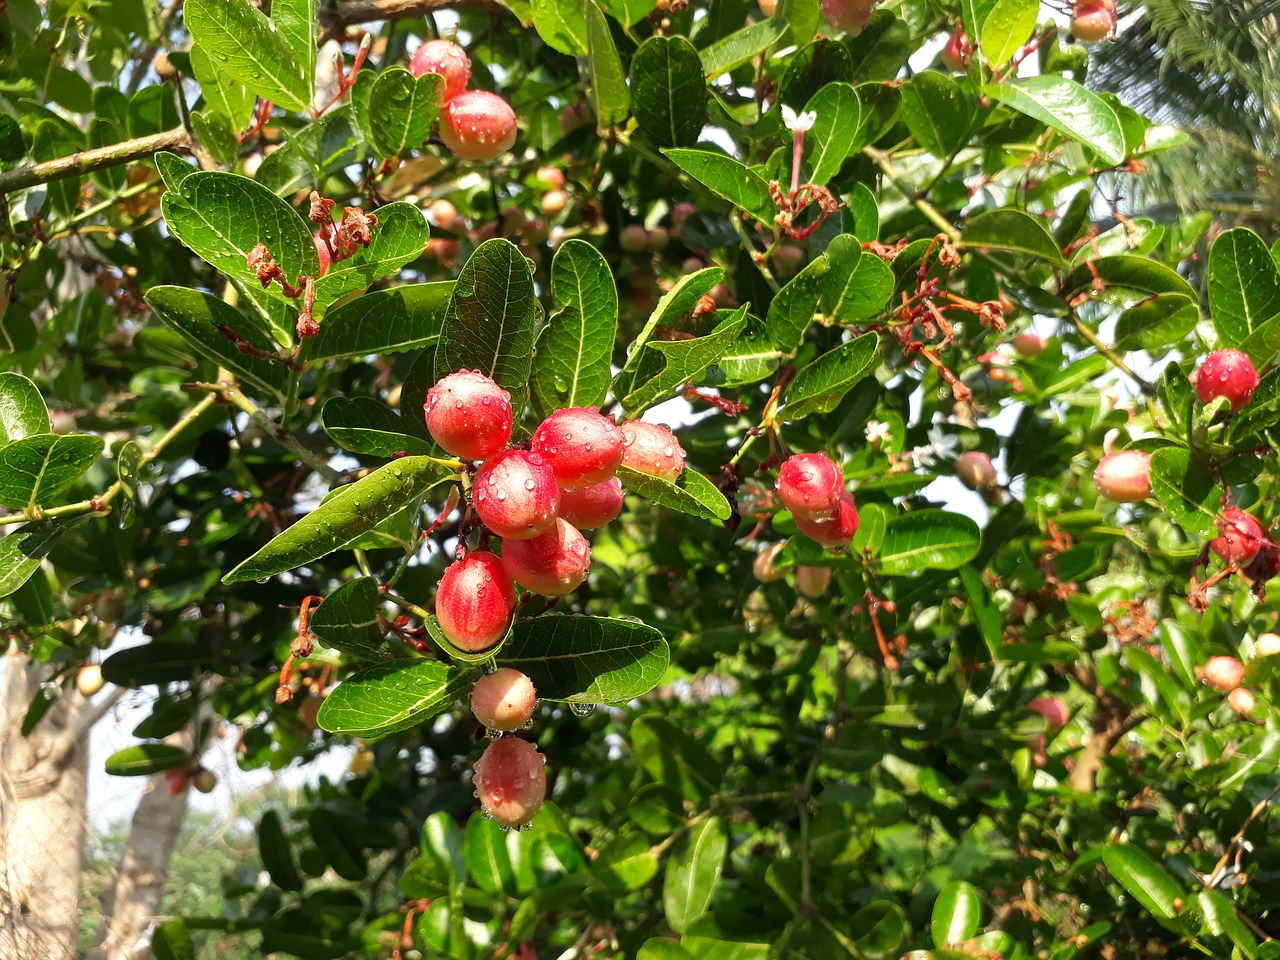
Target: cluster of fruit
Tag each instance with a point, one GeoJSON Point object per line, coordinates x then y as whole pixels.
{"type": "Point", "coordinates": [1226, 674]}
{"type": "Point", "coordinates": [850, 16]}
{"type": "Point", "coordinates": [474, 124]}
{"type": "Point", "coordinates": [536, 498]}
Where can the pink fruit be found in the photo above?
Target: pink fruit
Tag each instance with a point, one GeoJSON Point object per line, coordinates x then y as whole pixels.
{"type": "Point", "coordinates": [446, 215]}
{"type": "Point", "coordinates": [511, 781]}
{"type": "Point", "coordinates": [652, 449]}
{"type": "Point", "coordinates": [1227, 373]}
{"type": "Point", "coordinates": [1029, 344]}
{"type": "Point", "coordinates": [1053, 710]}
{"type": "Point", "coordinates": [503, 700]}
{"type": "Point", "coordinates": [552, 564]}
{"type": "Point", "coordinates": [851, 16]}
{"type": "Point", "coordinates": [1092, 21]}
{"type": "Point", "coordinates": [475, 602]}
{"type": "Point", "coordinates": [478, 125]}
{"type": "Point", "coordinates": [957, 54]}
{"type": "Point", "coordinates": [764, 566]}
{"type": "Point", "coordinates": [516, 495]}
{"type": "Point", "coordinates": [442, 249]}
{"type": "Point", "coordinates": [1267, 644]}
{"type": "Point", "coordinates": [322, 251]}
{"type": "Point", "coordinates": [1242, 701]}
{"type": "Point", "coordinates": [1241, 537]}
{"type": "Point", "coordinates": [552, 177]}
{"type": "Point", "coordinates": [680, 215]}
{"type": "Point", "coordinates": [633, 238]}
{"type": "Point", "coordinates": [590, 508]}
{"type": "Point", "coordinates": [812, 582]}
{"type": "Point", "coordinates": [769, 8]}
{"type": "Point", "coordinates": [447, 59]}
{"type": "Point", "coordinates": [1223, 673]}
{"type": "Point", "coordinates": [574, 117]}
{"type": "Point", "coordinates": [583, 447]}
{"type": "Point", "coordinates": [810, 485]}
{"type": "Point", "coordinates": [1124, 477]}
{"type": "Point", "coordinates": [836, 532]}
{"type": "Point", "coordinates": [975, 470]}
{"type": "Point", "coordinates": [469, 415]}
{"type": "Point", "coordinates": [176, 781]}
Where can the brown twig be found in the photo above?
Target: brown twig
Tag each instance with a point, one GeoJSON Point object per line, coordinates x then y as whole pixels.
{"type": "Point", "coordinates": [365, 11]}
{"type": "Point", "coordinates": [99, 158]}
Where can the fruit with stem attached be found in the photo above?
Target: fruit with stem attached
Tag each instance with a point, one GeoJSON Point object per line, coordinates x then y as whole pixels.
{"type": "Point", "coordinates": [810, 485]}
{"type": "Point", "coordinates": [553, 563]}
{"type": "Point", "coordinates": [1240, 537]}
{"type": "Point", "coordinates": [469, 415]}
{"type": "Point", "coordinates": [1227, 373]}
{"type": "Point", "coordinates": [1093, 20]}
{"type": "Point", "coordinates": [851, 16]}
{"type": "Point", "coordinates": [957, 53]}
{"type": "Point", "coordinates": [503, 700]}
{"type": "Point", "coordinates": [475, 601]}
{"type": "Point", "coordinates": [511, 781]}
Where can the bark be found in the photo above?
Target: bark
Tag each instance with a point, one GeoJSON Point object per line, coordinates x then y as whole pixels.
{"type": "Point", "coordinates": [99, 158]}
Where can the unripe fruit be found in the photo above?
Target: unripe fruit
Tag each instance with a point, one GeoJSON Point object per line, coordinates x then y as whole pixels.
{"type": "Point", "coordinates": [813, 581]}
{"type": "Point", "coordinates": [956, 54]}
{"type": "Point", "coordinates": [164, 67]}
{"type": "Point", "coordinates": [1029, 344]}
{"type": "Point", "coordinates": [516, 495]}
{"type": "Point", "coordinates": [205, 780]}
{"type": "Point", "coordinates": [554, 202]}
{"type": "Point", "coordinates": [89, 680]}
{"type": "Point", "coordinates": [787, 260]}
{"type": "Point", "coordinates": [442, 249]}
{"type": "Point", "coordinates": [503, 700]}
{"type": "Point", "coordinates": [469, 415]}
{"type": "Point", "coordinates": [837, 532]}
{"type": "Point", "coordinates": [769, 8]}
{"type": "Point", "coordinates": [680, 215]}
{"type": "Point", "coordinates": [475, 602]}
{"type": "Point", "coordinates": [251, 164]}
{"type": "Point", "coordinates": [1223, 673]}
{"type": "Point", "coordinates": [448, 60]}
{"type": "Point", "coordinates": [851, 16]}
{"type": "Point", "coordinates": [552, 564]}
{"type": "Point", "coordinates": [1125, 476]}
{"type": "Point", "coordinates": [322, 251]}
{"type": "Point", "coordinates": [652, 449]}
{"type": "Point", "coordinates": [583, 447]}
{"type": "Point", "coordinates": [1092, 22]}
{"type": "Point", "coordinates": [1053, 710]}
{"type": "Point", "coordinates": [975, 470]}
{"type": "Point", "coordinates": [511, 781]}
{"type": "Point", "coordinates": [633, 238]}
{"type": "Point", "coordinates": [574, 117]}
{"type": "Point", "coordinates": [658, 240]}
{"type": "Point", "coordinates": [552, 177]}
{"type": "Point", "coordinates": [478, 125]}
{"type": "Point", "coordinates": [1241, 537]}
{"type": "Point", "coordinates": [1242, 702]}
{"type": "Point", "coordinates": [1267, 644]}
{"type": "Point", "coordinates": [1227, 373]}
{"type": "Point", "coordinates": [810, 485]}
{"type": "Point", "coordinates": [590, 508]}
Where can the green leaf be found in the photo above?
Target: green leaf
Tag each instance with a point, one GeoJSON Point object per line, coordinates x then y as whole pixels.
{"type": "Point", "coordinates": [677, 302]}
{"type": "Point", "coordinates": [570, 365]}
{"type": "Point", "coordinates": [626, 862]}
{"type": "Point", "coordinates": [37, 468]}
{"type": "Point", "coordinates": [750, 359]}
{"type": "Point", "coordinates": [144, 759]}
{"type": "Point", "coordinates": [1157, 322]}
{"type": "Point", "coordinates": [393, 696]}
{"type": "Point", "coordinates": [857, 287]}
{"type": "Point", "coordinates": [369, 426]}
{"type": "Point", "coordinates": [727, 178]}
{"type": "Point", "coordinates": [386, 321]}
{"type": "Point", "coordinates": [685, 361]}
{"type": "Point", "coordinates": [693, 872]}
{"type": "Point", "coordinates": [347, 620]}
{"type": "Point", "coordinates": [1186, 488]}
{"type": "Point", "coordinates": [741, 47]}
{"type": "Point", "coordinates": [276, 852]}
{"type": "Point", "coordinates": [562, 24]}
{"type": "Point", "coordinates": [878, 930]}
{"type": "Point", "coordinates": [173, 169]}
{"type": "Point", "coordinates": [928, 540]}
{"type": "Point", "coordinates": [216, 133]}
{"type": "Point", "coordinates": [1219, 920]}
{"type": "Point", "coordinates": [674, 759]}
{"type": "Point", "coordinates": [22, 409]}
{"type": "Point", "coordinates": [12, 145]}
{"type": "Point", "coordinates": [402, 109]}
{"type": "Point", "coordinates": [1125, 276]}
{"type": "Point", "coordinates": [488, 860]}
{"type": "Point", "coordinates": [821, 385]}
{"type": "Point", "coordinates": [490, 321]}
{"type": "Point", "coordinates": [223, 94]}
{"type": "Point", "coordinates": [881, 50]}
{"type": "Point", "coordinates": [171, 940]}
{"type": "Point", "coordinates": [937, 113]}
{"type": "Point", "coordinates": [792, 308]}
{"type": "Point", "coordinates": [398, 239]}
{"type": "Point", "coordinates": [204, 321]}
{"type": "Point", "coordinates": [156, 662]}
{"type": "Point", "coordinates": [692, 493]}
{"type": "Point", "coordinates": [985, 613]}
{"type": "Point", "coordinates": [835, 130]}
{"type": "Point", "coordinates": [52, 142]}
{"type": "Point", "coordinates": [244, 45]}
{"type": "Point", "coordinates": [802, 18]}
{"type": "Point", "coordinates": [610, 96]}
{"type": "Point", "coordinates": [668, 92]}
{"type": "Point", "coordinates": [1067, 107]}
{"type": "Point", "coordinates": [1007, 28]}
{"type": "Point", "coordinates": [956, 914]}
{"type": "Point", "coordinates": [974, 16]}
{"type": "Point", "coordinates": [1014, 231]}
{"type": "Point", "coordinates": [628, 12]}
{"type": "Point", "coordinates": [588, 660]}
{"type": "Point", "coordinates": [1144, 878]}
{"type": "Point", "coordinates": [297, 21]}
{"type": "Point", "coordinates": [352, 510]}
{"type": "Point", "coordinates": [1244, 287]}
{"type": "Point", "coordinates": [22, 550]}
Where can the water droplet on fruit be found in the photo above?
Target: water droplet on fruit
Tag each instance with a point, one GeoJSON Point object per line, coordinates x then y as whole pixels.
{"type": "Point", "coordinates": [530, 485]}
{"type": "Point", "coordinates": [493, 734]}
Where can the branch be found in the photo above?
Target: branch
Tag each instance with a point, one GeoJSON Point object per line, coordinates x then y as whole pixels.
{"type": "Point", "coordinates": [364, 11]}
{"type": "Point", "coordinates": [99, 158]}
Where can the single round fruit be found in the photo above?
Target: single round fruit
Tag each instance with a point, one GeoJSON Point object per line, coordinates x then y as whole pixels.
{"type": "Point", "coordinates": [658, 240]}
{"type": "Point", "coordinates": [1092, 22]}
{"type": "Point", "coordinates": [552, 177]}
{"type": "Point", "coordinates": [89, 680]}
{"type": "Point", "coordinates": [204, 780]}
{"type": "Point", "coordinates": [552, 564]}
{"type": "Point", "coordinates": [652, 449]}
{"type": "Point", "coordinates": [813, 581]}
{"type": "Point", "coordinates": [1227, 373]}
{"type": "Point", "coordinates": [516, 495]}
{"type": "Point", "coordinates": [511, 781]}
{"type": "Point", "coordinates": [469, 415]}
{"type": "Point", "coordinates": [322, 251]}
{"type": "Point", "coordinates": [446, 215]}
{"type": "Point", "coordinates": [1029, 344]}
{"type": "Point", "coordinates": [475, 601]}
{"type": "Point", "coordinates": [448, 60]}
{"type": "Point", "coordinates": [975, 470]}
{"type": "Point", "coordinates": [836, 532]}
{"type": "Point", "coordinates": [1223, 673]}
{"type": "Point", "coordinates": [810, 485]}
{"type": "Point", "coordinates": [1125, 476]}
{"type": "Point", "coordinates": [1241, 537]}
{"type": "Point", "coordinates": [680, 215]}
{"type": "Point", "coordinates": [177, 781]}
{"type": "Point", "coordinates": [851, 16]}
{"type": "Point", "coordinates": [1242, 702]}
{"type": "Point", "coordinates": [478, 125]}
{"type": "Point", "coordinates": [633, 238]}
{"type": "Point", "coordinates": [503, 700]}
{"type": "Point", "coordinates": [590, 508]}
{"type": "Point", "coordinates": [554, 202]}
{"type": "Point", "coordinates": [164, 67]}
{"type": "Point", "coordinates": [1267, 644]}
{"type": "Point", "coordinates": [583, 447]}
{"type": "Point", "coordinates": [442, 249]}
{"type": "Point", "coordinates": [764, 565]}
{"type": "Point", "coordinates": [574, 117]}
{"type": "Point", "coordinates": [787, 260]}
{"type": "Point", "coordinates": [956, 55]}
{"type": "Point", "coordinates": [769, 8]}
{"type": "Point", "coordinates": [1053, 710]}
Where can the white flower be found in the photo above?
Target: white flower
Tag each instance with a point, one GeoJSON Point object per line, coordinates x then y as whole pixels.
{"type": "Point", "coordinates": [941, 446]}
{"type": "Point", "coordinates": [878, 433]}
{"type": "Point", "coordinates": [799, 122]}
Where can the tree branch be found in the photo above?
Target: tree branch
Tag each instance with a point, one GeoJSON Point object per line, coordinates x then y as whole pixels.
{"type": "Point", "coordinates": [99, 158]}
{"type": "Point", "coordinates": [364, 11]}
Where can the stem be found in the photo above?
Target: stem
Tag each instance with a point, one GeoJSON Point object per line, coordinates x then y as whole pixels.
{"type": "Point", "coordinates": [761, 265]}
{"type": "Point", "coordinates": [1115, 358]}
{"type": "Point", "coordinates": [407, 605]}
{"type": "Point", "coordinates": [930, 212]}
{"type": "Point", "coordinates": [99, 158]}
{"type": "Point", "coordinates": [232, 394]}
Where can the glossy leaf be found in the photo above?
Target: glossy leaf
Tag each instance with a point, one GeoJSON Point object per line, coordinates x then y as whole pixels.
{"type": "Point", "coordinates": [668, 92]}
{"type": "Point", "coordinates": [957, 914]}
{"type": "Point", "coordinates": [22, 550]}
{"type": "Point", "coordinates": [223, 93]}
{"type": "Point", "coordinates": [686, 360]}
{"type": "Point", "coordinates": [35, 469]}
{"type": "Point", "coordinates": [488, 860]}
{"type": "Point", "coordinates": [793, 307]}
{"type": "Point", "coordinates": [678, 301]}
{"type": "Point", "coordinates": [928, 540]}
{"type": "Point", "coordinates": [385, 321]}
{"type": "Point", "coordinates": [936, 112]}
{"type": "Point", "coordinates": [402, 109]}
{"type": "Point", "coordinates": [1067, 107]}
{"type": "Point", "coordinates": [1144, 878]}
{"type": "Point", "coordinates": [1162, 320]}
{"type": "Point", "coordinates": [856, 286]}
{"type": "Point", "coordinates": [835, 130]}
{"type": "Point", "coordinates": [1014, 231]}
{"type": "Point", "coordinates": [562, 24]}
{"type": "Point", "coordinates": [156, 663]}
{"type": "Point", "coordinates": [1006, 28]}
{"type": "Point", "coordinates": [1125, 276]}
{"type": "Point", "coordinates": [22, 409]}
{"type": "Point", "coordinates": [727, 178]}
{"type": "Point", "coordinates": [693, 873]}
{"type": "Point", "coordinates": [1244, 287]}
{"type": "Point", "coordinates": [369, 426]}
{"type": "Point", "coordinates": [741, 46]}
{"type": "Point", "coordinates": [398, 239]}
{"type": "Point", "coordinates": [821, 385]}
{"type": "Point", "coordinates": [610, 96]}
{"type": "Point", "coordinates": [245, 45]}
{"type": "Point", "coordinates": [276, 853]}
{"type": "Point", "coordinates": [145, 759]}
{"type": "Point", "coordinates": [393, 696]}
{"type": "Point", "coordinates": [1186, 488]}
{"type": "Point", "coordinates": [347, 620]}
{"type": "Point", "coordinates": [692, 493]}
{"type": "Point", "coordinates": [626, 862]}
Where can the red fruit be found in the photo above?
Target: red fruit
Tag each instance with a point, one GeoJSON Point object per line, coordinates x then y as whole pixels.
{"type": "Point", "coordinates": [322, 251]}
{"type": "Point", "coordinates": [446, 215]}
{"type": "Point", "coordinates": [1227, 373]}
{"type": "Point", "coordinates": [1267, 644]}
{"type": "Point", "coordinates": [1053, 710]}
{"type": "Point", "coordinates": [503, 700]}
{"type": "Point", "coordinates": [478, 125]}
{"type": "Point", "coordinates": [442, 249]}
{"type": "Point", "coordinates": [583, 447]}
{"type": "Point", "coordinates": [475, 602]}
{"type": "Point", "coordinates": [177, 781]}
{"type": "Point", "coordinates": [552, 564]}
{"type": "Point", "coordinates": [1092, 21]}
{"type": "Point", "coordinates": [975, 470]}
{"type": "Point", "coordinates": [511, 781]}
{"type": "Point", "coordinates": [652, 449]}
{"type": "Point", "coordinates": [447, 59]}
{"type": "Point", "coordinates": [1242, 701]}
{"type": "Point", "coordinates": [590, 508]}
{"type": "Point", "coordinates": [469, 415]}
{"type": "Point", "coordinates": [810, 485]}
{"type": "Point", "coordinates": [851, 16]}
{"type": "Point", "coordinates": [205, 780]}
{"type": "Point", "coordinates": [836, 532]}
{"type": "Point", "coordinates": [516, 495]}
{"type": "Point", "coordinates": [574, 117]}
{"type": "Point", "coordinates": [957, 54]}
{"type": "Point", "coordinates": [1124, 477]}
{"type": "Point", "coordinates": [1241, 537]}
{"type": "Point", "coordinates": [680, 215]}
{"type": "Point", "coordinates": [1223, 673]}
{"type": "Point", "coordinates": [1029, 344]}
{"type": "Point", "coordinates": [769, 8]}
{"type": "Point", "coordinates": [633, 238]}
{"type": "Point", "coordinates": [813, 581]}
{"type": "Point", "coordinates": [89, 680]}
